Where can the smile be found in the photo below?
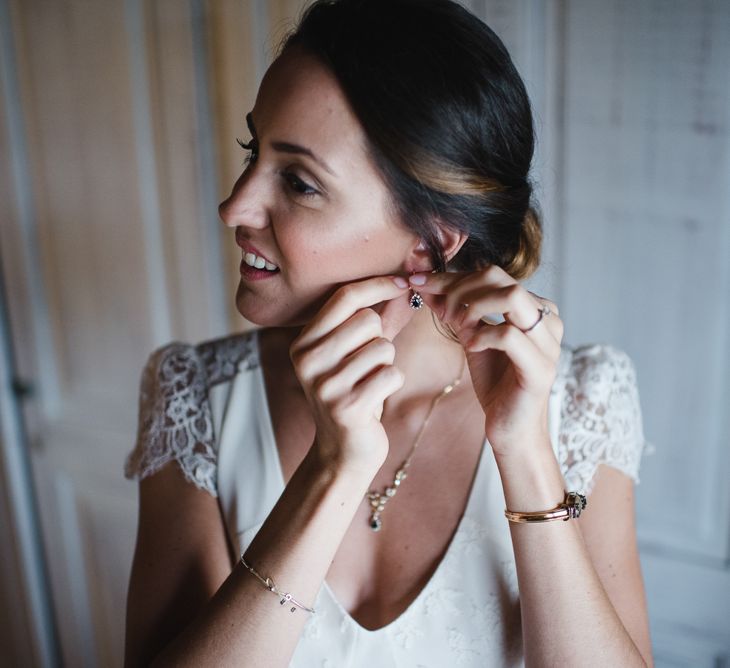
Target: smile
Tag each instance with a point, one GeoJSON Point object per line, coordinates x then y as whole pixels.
{"type": "Point", "coordinates": [256, 261]}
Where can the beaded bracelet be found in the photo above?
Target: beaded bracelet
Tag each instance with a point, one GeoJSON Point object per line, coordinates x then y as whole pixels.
{"type": "Point", "coordinates": [269, 584]}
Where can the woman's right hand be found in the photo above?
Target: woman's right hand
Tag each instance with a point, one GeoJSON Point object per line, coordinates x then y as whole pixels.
{"type": "Point", "coordinates": [343, 360]}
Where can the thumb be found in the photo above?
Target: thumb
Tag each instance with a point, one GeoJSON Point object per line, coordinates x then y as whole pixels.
{"type": "Point", "coordinates": [395, 315]}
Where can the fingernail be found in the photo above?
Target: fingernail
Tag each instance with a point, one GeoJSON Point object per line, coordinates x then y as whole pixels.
{"type": "Point", "coordinates": [417, 279]}
{"type": "Point", "coordinates": [400, 281]}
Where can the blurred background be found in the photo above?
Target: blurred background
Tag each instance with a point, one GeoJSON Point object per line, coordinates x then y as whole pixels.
{"type": "Point", "coordinates": [118, 121]}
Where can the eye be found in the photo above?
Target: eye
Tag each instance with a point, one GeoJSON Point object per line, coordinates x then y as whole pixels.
{"type": "Point", "coordinates": [298, 186]}
{"type": "Point", "coordinates": [252, 147]}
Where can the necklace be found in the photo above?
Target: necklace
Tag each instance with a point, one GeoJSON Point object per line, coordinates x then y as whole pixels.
{"type": "Point", "coordinates": [378, 499]}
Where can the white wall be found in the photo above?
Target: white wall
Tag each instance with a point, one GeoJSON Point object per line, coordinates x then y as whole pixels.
{"type": "Point", "coordinates": [633, 102]}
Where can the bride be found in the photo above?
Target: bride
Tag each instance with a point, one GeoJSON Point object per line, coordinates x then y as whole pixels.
{"type": "Point", "coordinates": [371, 477]}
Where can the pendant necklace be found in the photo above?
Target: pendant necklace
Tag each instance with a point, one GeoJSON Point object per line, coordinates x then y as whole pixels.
{"type": "Point", "coordinates": [378, 499]}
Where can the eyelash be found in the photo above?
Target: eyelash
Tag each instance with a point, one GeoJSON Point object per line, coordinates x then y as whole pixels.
{"type": "Point", "coordinates": [251, 146]}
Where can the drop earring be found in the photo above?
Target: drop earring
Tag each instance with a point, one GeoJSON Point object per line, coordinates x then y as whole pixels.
{"type": "Point", "coordinates": [416, 301]}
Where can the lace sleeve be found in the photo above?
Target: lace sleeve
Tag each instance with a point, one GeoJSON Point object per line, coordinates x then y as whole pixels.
{"type": "Point", "coordinates": [174, 418]}
{"type": "Point", "coordinates": [600, 417]}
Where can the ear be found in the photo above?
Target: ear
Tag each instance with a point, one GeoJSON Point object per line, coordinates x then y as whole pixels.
{"type": "Point", "coordinates": [451, 241]}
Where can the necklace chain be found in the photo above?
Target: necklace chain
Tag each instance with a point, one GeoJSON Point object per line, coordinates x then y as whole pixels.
{"type": "Point", "coordinates": [379, 499]}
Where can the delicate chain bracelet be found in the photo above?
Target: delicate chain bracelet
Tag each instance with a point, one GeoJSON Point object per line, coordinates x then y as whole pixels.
{"type": "Point", "coordinates": [269, 584]}
{"type": "Point", "coordinates": [571, 507]}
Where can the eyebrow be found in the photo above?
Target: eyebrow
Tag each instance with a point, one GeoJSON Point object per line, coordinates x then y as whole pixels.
{"type": "Point", "coordinates": [287, 147]}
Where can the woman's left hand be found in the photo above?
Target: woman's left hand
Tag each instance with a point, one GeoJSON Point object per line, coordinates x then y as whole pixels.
{"type": "Point", "coordinates": [512, 370]}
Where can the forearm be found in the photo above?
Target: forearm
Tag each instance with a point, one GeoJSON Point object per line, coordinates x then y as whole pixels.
{"type": "Point", "coordinates": [244, 623]}
{"type": "Point", "coordinates": [567, 618]}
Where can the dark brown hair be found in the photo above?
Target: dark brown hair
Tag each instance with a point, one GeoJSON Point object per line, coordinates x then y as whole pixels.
{"type": "Point", "coordinates": [447, 120]}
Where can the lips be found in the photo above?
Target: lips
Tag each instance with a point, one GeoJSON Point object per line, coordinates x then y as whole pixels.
{"type": "Point", "coordinates": [248, 247]}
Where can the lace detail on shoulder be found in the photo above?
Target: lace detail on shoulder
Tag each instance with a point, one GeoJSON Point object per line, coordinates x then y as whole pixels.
{"type": "Point", "coordinates": [175, 420]}
{"type": "Point", "coordinates": [222, 357]}
{"type": "Point", "coordinates": [600, 419]}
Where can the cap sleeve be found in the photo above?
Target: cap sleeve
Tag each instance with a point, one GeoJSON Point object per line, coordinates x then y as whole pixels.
{"type": "Point", "coordinates": [175, 419]}
{"type": "Point", "coordinates": [601, 419]}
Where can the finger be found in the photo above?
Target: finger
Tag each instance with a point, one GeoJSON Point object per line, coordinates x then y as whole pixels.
{"type": "Point", "coordinates": [519, 308]}
{"type": "Point", "coordinates": [514, 302]}
{"type": "Point", "coordinates": [354, 368]}
{"type": "Point", "coordinates": [395, 315]}
{"type": "Point", "coordinates": [438, 282]}
{"type": "Point", "coordinates": [463, 293]}
{"type": "Point", "coordinates": [360, 328]}
{"type": "Point", "coordinates": [371, 392]}
{"type": "Point", "coordinates": [459, 299]}
{"type": "Point", "coordinates": [548, 330]}
{"type": "Point", "coordinates": [346, 301]}
{"type": "Point", "coordinates": [553, 323]}
{"type": "Point", "coordinates": [449, 287]}
{"type": "Point", "coordinates": [493, 291]}
{"type": "Point", "coordinates": [534, 371]}
{"type": "Point", "coordinates": [545, 301]}
{"type": "Point", "coordinates": [441, 282]}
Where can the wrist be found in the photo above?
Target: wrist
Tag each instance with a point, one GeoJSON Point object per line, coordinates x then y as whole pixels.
{"type": "Point", "coordinates": [332, 470]}
{"type": "Point", "coordinates": [348, 456]}
{"type": "Point", "coordinates": [531, 480]}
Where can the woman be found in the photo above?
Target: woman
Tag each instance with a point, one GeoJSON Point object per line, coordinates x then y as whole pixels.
{"type": "Point", "coordinates": [345, 510]}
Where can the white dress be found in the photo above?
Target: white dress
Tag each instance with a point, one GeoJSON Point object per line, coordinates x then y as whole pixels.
{"type": "Point", "coordinates": [205, 406]}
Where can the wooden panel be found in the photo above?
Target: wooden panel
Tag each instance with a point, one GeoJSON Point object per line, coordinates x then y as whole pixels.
{"type": "Point", "coordinates": [107, 527]}
{"type": "Point", "coordinates": [283, 16]}
{"type": "Point", "coordinates": [186, 227]}
{"type": "Point", "coordinates": [114, 99]}
{"type": "Point", "coordinates": [16, 631]}
{"type": "Point", "coordinates": [84, 183]}
{"type": "Point", "coordinates": [14, 197]}
{"type": "Point", "coordinates": [238, 61]}
{"type": "Point", "coordinates": [26, 621]}
{"type": "Point", "coordinates": [65, 560]}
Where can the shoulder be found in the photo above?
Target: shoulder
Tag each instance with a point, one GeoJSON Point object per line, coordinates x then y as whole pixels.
{"type": "Point", "coordinates": [600, 417]}
{"type": "Point", "coordinates": [175, 420]}
{"type": "Point", "coordinates": [600, 363]}
{"type": "Point", "coordinates": [597, 372]}
{"type": "Point", "coordinates": [178, 364]}
{"type": "Point", "coordinates": [221, 358]}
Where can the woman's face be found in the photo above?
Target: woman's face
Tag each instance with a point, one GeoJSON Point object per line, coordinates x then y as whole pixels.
{"type": "Point", "coordinates": [321, 226]}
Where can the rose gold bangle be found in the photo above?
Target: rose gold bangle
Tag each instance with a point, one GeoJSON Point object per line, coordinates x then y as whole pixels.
{"type": "Point", "coordinates": [571, 507]}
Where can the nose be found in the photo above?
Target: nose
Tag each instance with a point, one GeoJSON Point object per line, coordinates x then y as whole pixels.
{"type": "Point", "coordinates": [246, 205]}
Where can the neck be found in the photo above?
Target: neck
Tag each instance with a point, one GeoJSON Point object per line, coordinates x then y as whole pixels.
{"type": "Point", "coordinates": [429, 359]}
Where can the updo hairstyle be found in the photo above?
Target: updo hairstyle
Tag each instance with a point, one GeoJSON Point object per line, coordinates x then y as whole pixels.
{"type": "Point", "coordinates": [447, 119]}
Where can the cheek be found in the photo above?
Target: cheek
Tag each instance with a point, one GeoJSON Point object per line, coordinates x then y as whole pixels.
{"type": "Point", "coordinates": [320, 253]}
{"type": "Point", "coordinates": [342, 254]}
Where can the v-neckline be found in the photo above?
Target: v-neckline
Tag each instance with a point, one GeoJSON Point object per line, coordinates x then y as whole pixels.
{"type": "Point", "coordinates": [476, 478]}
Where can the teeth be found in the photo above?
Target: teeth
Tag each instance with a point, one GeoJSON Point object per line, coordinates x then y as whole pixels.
{"type": "Point", "coordinates": [253, 260]}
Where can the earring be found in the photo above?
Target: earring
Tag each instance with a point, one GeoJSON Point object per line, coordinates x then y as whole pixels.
{"type": "Point", "coordinates": [416, 300]}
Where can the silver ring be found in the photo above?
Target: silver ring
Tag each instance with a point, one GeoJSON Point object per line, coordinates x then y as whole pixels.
{"type": "Point", "coordinates": [544, 310]}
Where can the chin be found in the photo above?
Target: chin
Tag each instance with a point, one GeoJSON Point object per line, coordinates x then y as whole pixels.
{"type": "Point", "coordinates": [270, 313]}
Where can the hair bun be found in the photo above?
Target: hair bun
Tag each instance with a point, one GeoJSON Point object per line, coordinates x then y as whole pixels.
{"type": "Point", "coordinates": [527, 257]}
